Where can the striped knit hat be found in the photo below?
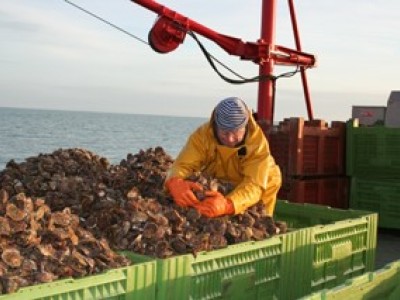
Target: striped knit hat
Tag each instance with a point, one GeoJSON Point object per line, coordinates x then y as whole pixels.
{"type": "Point", "coordinates": [231, 114]}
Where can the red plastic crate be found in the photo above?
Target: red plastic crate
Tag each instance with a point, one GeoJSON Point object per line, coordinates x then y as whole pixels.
{"type": "Point", "coordinates": [309, 148]}
{"type": "Point", "coordinates": [332, 191]}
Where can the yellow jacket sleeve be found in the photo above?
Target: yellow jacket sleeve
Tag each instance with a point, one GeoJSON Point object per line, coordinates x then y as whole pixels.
{"type": "Point", "coordinates": [191, 158]}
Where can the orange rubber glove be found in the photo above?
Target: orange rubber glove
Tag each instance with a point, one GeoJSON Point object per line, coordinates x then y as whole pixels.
{"type": "Point", "coordinates": [182, 191]}
{"type": "Point", "coordinates": [215, 205]}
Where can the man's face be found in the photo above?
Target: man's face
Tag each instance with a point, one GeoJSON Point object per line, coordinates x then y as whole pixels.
{"type": "Point", "coordinates": [231, 138]}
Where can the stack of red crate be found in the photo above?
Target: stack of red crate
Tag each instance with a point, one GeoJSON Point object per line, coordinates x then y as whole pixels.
{"type": "Point", "coordinates": [311, 156]}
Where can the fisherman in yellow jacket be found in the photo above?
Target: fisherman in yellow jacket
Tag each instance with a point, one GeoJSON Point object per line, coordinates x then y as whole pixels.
{"type": "Point", "coordinates": [232, 147]}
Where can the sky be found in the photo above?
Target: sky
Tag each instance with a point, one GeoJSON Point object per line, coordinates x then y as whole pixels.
{"type": "Point", "coordinates": [54, 56]}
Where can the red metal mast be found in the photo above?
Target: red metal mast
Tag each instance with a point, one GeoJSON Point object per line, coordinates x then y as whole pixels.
{"type": "Point", "coordinates": [265, 104]}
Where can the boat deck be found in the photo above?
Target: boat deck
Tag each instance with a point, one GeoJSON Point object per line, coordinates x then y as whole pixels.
{"type": "Point", "coordinates": [388, 247]}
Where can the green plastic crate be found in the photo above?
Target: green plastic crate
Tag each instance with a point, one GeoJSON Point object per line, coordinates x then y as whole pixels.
{"type": "Point", "coordinates": [326, 247]}
{"type": "Point", "coordinates": [383, 284]}
{"type": "Point", "coordinates": [133, 282]}
{"type": "Point", "coordinates": [247, 270]}
{"type": "Point", "coordinates": [335, 245]}
{"type": "Point", "coordinates": [372, 151]}
{"type": "Point", "coordinates": [381, 196]}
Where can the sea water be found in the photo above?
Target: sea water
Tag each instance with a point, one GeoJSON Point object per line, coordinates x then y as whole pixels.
{"type": "Point", "coordinates": [29, 132]}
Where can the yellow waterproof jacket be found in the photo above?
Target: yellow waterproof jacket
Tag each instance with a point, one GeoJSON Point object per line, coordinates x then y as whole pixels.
{"type": "Point", "coordinates": [249, 167]}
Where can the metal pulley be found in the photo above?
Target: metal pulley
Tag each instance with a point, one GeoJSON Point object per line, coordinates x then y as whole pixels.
{"type": "Point", "coordinates": [166, 35]}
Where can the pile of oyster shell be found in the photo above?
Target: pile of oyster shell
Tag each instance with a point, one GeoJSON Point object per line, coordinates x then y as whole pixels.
{"type": "Point", "coordinates": [60, 211]}
{"type": "Point", "coordinates": [38, 245]}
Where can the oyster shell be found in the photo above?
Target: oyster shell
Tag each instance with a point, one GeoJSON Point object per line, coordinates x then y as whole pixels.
{"type": "Point", "coordinates": [12, 257]}
{"type": "Point", "coordinates": [14, 213]}
{"type": "Point", "coordinates": [4, 226]}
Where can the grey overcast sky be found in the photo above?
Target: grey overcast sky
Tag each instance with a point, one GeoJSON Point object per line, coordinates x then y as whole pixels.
{"type": "Point", "coordinates": [54, 56]}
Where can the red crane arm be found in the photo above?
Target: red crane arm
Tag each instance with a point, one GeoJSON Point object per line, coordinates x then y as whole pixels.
{"type": "Point", "coordinates": [169, 31]}
{"type": "Point", "coordinates": [175, 24]}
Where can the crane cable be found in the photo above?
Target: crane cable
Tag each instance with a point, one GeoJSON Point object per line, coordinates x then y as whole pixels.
{"type": "Point", "coordinates": [258, 78]}
{"type": "Point", "coordinates": [107, 22]}
{"type": "Point", "coordinates": [210, 58]}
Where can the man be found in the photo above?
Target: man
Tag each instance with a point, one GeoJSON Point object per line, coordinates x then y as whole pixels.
{"type": "Point", "coordinates": [232, 147]}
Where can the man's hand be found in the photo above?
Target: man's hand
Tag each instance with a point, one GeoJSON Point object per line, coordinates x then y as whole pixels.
{"type": "Point", "coordinates": [182, 191]}
{"type": "Point", "coordinates": [215, 205]}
